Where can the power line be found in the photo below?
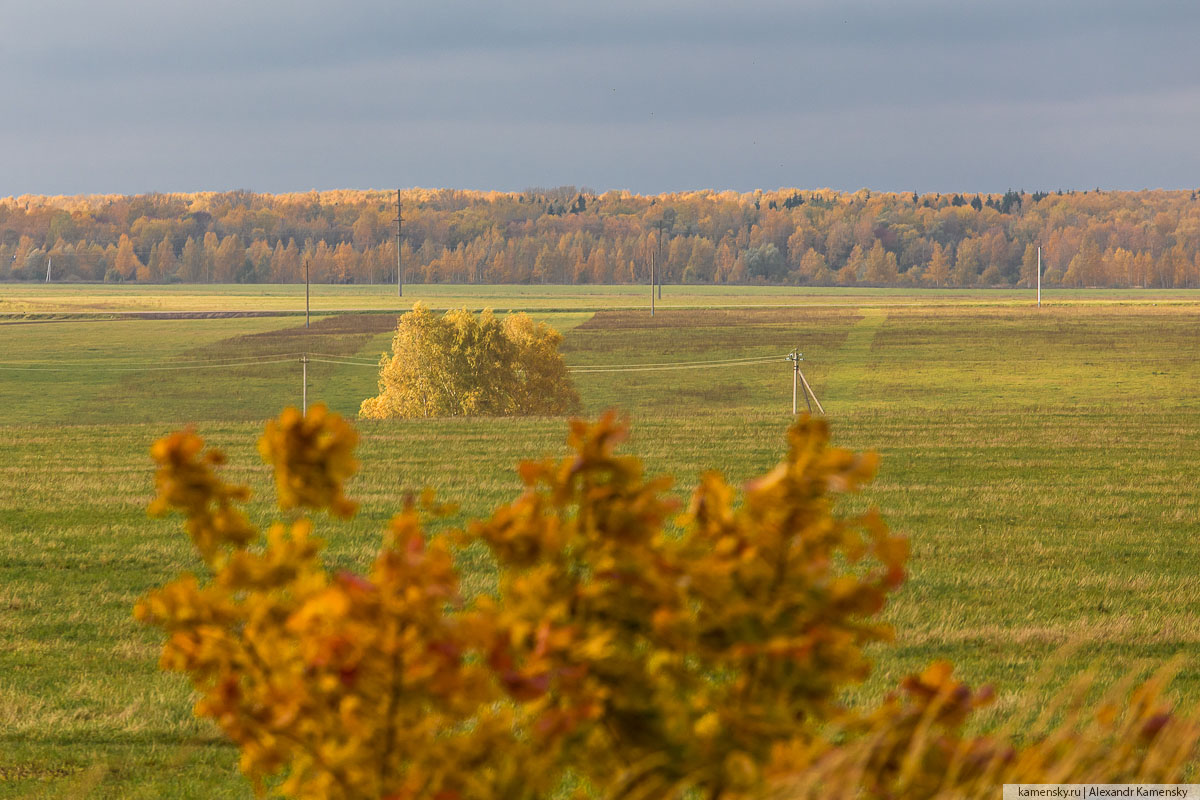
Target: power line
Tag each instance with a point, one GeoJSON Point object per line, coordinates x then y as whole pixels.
{"type": "Point", "coordinates": [238, 362]}
{"type": "Point", "coordinates": [587, 370]}
{"type": "Point", "coordinates": [683, 363]}
{"type": "Point", "coordinates": [102, 361]}
{"type": "Point", "coordinates": [110, 368]}
{"type": "Point", "coordinates": [354, 361]}
{"type": "Point", "coordinates": [675, 365]}
{"type": "Point", "coordinates": [373, 365]}
{"type": "Point", "coordinates": [575, 371]}
{"type": "Point", "coordinates": [361, 359]}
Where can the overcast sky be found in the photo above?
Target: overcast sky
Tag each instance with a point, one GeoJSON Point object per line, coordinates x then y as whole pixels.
{"type": "Point", "coordinates": [651, 96]}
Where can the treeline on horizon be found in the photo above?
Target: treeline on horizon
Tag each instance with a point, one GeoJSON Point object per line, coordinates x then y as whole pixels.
{"type": "Point", "coordinates": [567, 235]}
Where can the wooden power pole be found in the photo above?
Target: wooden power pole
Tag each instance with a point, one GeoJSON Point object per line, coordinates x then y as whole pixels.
{"type": "Point", "coordinates": [795, 357]}
{"type": "Point", "coordinates": [799, 380]}
{"type": "Point", "coordinates": [306, 292]}
{"type": "Point", "coordinates": [652, 269]}
{"type": "Point", "coordinates": [304, 384]}
{"type": "Point", "coordinates": [399, 257]}
{"type": "Point", "coordinates": [660, 238]}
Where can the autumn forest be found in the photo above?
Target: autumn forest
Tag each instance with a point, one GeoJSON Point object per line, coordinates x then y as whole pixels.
{"type": "Point", "coordinates": [568, 235]}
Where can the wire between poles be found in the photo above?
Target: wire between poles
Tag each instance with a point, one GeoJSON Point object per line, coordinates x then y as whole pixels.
{"type": "Point", "coordinates": [584, 370]}
{"type": "Point", "coordinates": [666, 367]}
{"type": "Point", "coordinates": [349, 361]}
{"type": "Point", "coordinates": [151, 369]}
{"type": "Point", "coordinates": [343, 363]}
{"type": "Point", "coordinates": [123, 362]}
{"type": "Point", "coordinates": [343, 358]}
{"type": "Point", "coordinates": [687, 363]}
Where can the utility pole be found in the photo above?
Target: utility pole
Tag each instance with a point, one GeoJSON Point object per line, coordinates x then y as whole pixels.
{"type": "Point", "coordinates": [798, 380]}
{"type": "Point", "coordinates": [665, 223]}
{"type": "Point", "coordinates": [304, 356]}
{"type": "Point", "coordinates": [660, 238]}
{"type": "Point", "coordinates": [304, 381]}
{"type": "Point", "coordinates": [399, 257]}
{"type": "Point", "coordinates": [653, 266]}
{"type": "Point", "coordinates": [1039, 276]}
{"type": "Point", "coordinates": [796, 357]}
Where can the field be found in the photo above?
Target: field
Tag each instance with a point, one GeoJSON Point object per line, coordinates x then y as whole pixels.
{"type": "Point", "coordinates": [1046, 465]}
{"type": "Point", "coordinates": [36, 300]}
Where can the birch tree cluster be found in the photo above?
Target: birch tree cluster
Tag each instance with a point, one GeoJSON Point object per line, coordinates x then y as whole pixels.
{"type": "Point", "coordinates": [461, 364]}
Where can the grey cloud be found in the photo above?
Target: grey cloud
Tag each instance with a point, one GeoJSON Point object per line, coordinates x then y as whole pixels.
{"type": "Point", "coordinates": [271, 95]}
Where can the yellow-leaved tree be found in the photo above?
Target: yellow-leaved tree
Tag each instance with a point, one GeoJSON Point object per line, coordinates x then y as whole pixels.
{"type": "Point", "coordinates": [460, 364]}
{"type": "Point", "coordinates": [640, 652]}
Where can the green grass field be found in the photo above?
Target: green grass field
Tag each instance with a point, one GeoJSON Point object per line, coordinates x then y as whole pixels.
{"type": "Point", "coordinates": [1045, 464]}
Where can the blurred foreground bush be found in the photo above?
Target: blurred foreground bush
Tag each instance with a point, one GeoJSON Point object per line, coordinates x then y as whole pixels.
{"type": "Point", "coordinates": [631, 649]}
